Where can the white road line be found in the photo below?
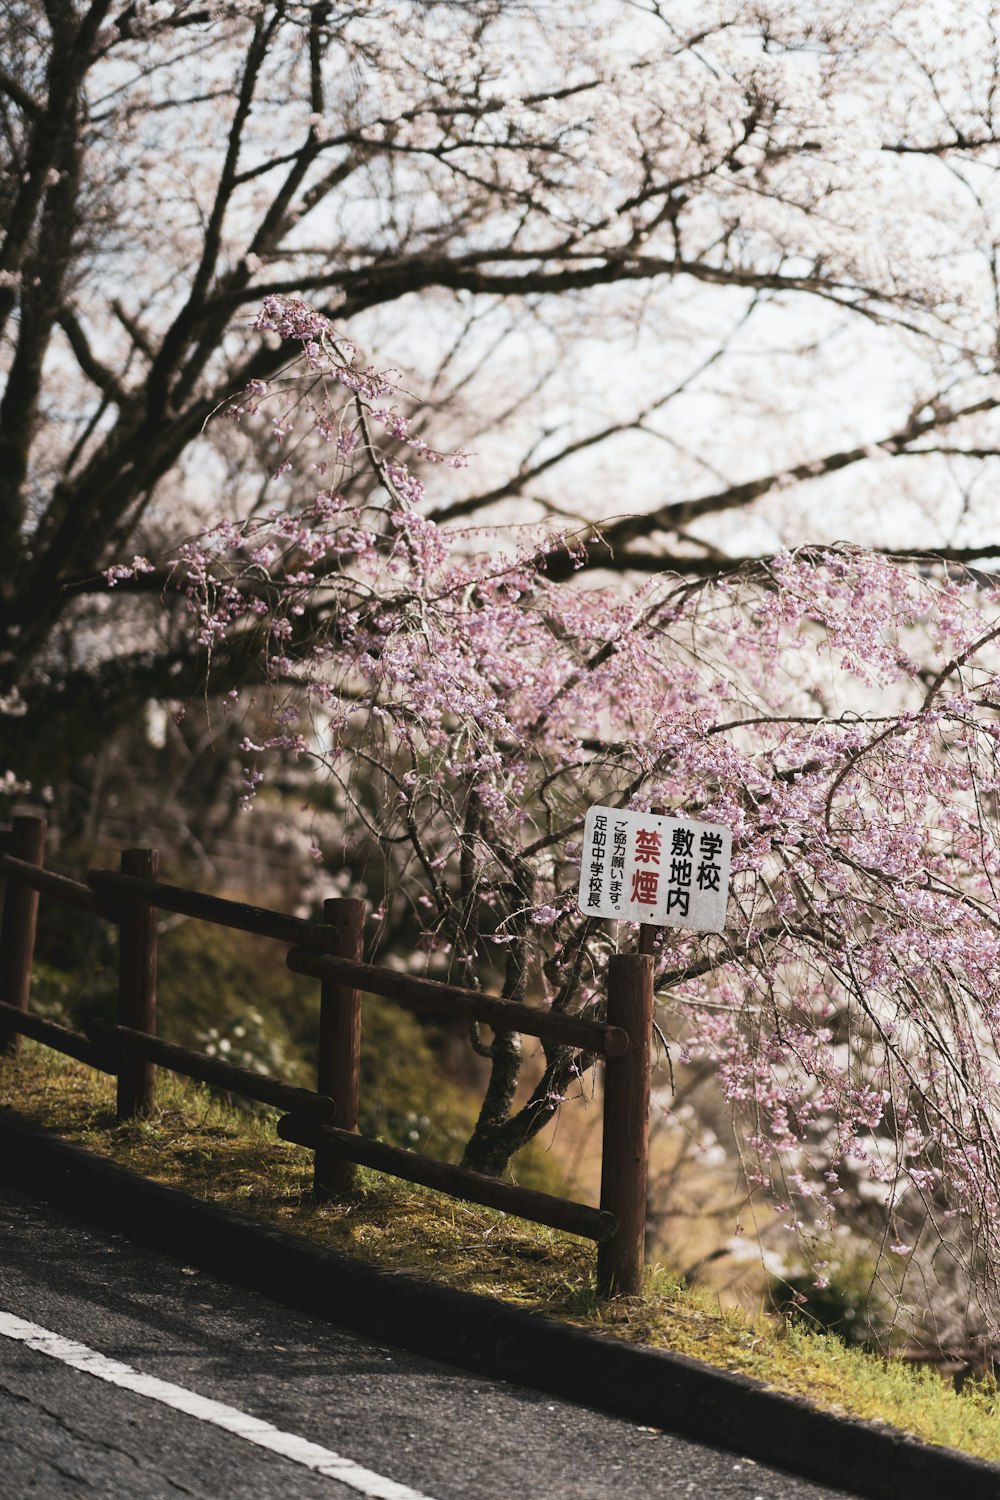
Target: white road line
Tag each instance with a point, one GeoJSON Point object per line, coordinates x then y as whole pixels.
{"type": "Point", "coordinates": [299, 1450]}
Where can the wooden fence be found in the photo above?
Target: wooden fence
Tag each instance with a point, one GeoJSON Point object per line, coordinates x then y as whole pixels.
{"type": "Point", "coordinates": [325, 1119]}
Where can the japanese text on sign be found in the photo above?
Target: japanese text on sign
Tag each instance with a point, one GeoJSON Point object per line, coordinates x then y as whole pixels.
{"type": "Point", "coordinates": [642, 867]}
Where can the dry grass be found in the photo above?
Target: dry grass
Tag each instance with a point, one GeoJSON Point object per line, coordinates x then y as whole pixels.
{"type": "Point", "coordinates": [235, 1159]}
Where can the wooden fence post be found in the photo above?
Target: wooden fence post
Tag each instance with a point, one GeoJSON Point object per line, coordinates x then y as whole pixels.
{"type": "Point", "coordinates": [626, 1125]}
{"type": "Point", "coordinates": [137, 984]}
{"type": "Point", "coordinates": [339, 1063]}
{"type": "Point", "coordinates": [17, 937]}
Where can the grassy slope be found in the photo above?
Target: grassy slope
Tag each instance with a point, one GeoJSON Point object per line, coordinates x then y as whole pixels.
{"type": "Point", "coordinates": [235, 1159]}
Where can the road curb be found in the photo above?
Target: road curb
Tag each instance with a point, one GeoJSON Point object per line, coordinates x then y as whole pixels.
{"type": "Point", "coordinates": [644, 1385]}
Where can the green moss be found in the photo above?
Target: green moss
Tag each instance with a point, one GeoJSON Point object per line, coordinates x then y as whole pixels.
{"type": "Point", "coordinates": [196, 1142]}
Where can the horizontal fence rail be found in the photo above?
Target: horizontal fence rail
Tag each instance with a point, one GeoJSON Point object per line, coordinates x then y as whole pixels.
{"type": "Point", "coordinates": [61, 1038]}
{"type": "Point", "coordinates": [325, 1120]}
{"type": "Point", "coordinates": [48, 883]}
{"type": "Point", "coordinates": [458, 1182]}
{"type": "Point", "coordinates": [450, 999]}
{"type": "Point", "coordinates": [215, 909]}
{"type": "Point", "coordinates": [261, 1087]}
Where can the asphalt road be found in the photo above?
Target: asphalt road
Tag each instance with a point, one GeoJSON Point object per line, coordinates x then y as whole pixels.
{"type": "Point", "coordinates": [443, 1433]}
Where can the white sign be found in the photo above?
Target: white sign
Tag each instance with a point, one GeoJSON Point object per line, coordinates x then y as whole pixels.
{"type": "Point", "coordinates": [641, 867]}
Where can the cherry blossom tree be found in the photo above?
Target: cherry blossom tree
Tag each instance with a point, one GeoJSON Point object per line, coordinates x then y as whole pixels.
{"type": "Point", "coordinates": [632, 258]}
{"type": "Point", "coordinates": [837, 710]}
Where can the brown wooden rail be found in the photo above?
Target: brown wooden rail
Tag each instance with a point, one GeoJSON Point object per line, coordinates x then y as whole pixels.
{"type": "Point", "coordinates": [48, 883]}
{"type": "Point", "coordinates": [261, 1087]}
{"type": "Point", "coordinates": [215, 909]}
{"type": "Point", "coordinates": [61, 1038]}
{"type": "Point", "coordinates": [458, 1182]}
{"type": "Point", "coordinates": [451, 1000]}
